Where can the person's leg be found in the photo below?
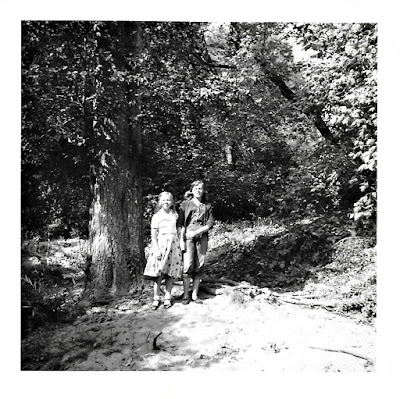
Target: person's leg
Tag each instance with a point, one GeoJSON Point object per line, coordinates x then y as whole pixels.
{"type": "Point", "coordinates": [168, 291]}
{"type": "Point", "coordinates": [188, 260]}
{"type": "Point", "coordinates": [196, 275]}
{"type": "Point", "coordinates": [201, 250]}
{"type": "Point", "coordinates": [196, 286]}
{"type": "Point", "coordinates": [168, 287]}
{"type": "Point", "coordinates": [157, 287]}
{"type": "Point", "coordinates": [156, 292]}
{"type": "Point", "coordinates": [186, 286]}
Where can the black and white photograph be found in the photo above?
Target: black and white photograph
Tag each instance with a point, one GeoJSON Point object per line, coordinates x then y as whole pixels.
{"type": "Point", "coordinates": [200, 195]}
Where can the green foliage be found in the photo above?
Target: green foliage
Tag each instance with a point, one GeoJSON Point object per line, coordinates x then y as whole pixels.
{"type": "Point", "coordinates": [49, 294]}
{"type": "Point", "coordinates": [55, 164]}
{"type": "Point", "coordinates": [341, 78]}
{"type": "Point", "coordinates": [37, 307]}
{"type": "Point", "coordinates": [51, 286]}
{"type": "Point", "coordinates": [210, 108]}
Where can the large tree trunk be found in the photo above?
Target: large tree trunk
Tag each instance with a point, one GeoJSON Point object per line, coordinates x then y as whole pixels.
{"type": "Point", "coordinates": [116, 230]}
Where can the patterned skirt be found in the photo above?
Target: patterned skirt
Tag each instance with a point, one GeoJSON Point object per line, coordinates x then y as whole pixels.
{"type": "Point", "coordinates": [171, 258]}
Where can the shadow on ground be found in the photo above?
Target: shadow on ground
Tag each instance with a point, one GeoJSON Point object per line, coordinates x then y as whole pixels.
{"type": "Point", "coordinates": [284, 260]}
{"type": "Point", "coordinates": [127, 335]}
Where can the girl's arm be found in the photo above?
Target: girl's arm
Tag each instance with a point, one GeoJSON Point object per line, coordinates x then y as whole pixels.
{"type": "Point", "coordinates": [181, 235]}
{"type": "Point", "coordinates": [154, 243]}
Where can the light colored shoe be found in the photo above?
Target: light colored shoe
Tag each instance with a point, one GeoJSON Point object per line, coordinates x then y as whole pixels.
{"type": "Point", "coordinates": [155, 304]}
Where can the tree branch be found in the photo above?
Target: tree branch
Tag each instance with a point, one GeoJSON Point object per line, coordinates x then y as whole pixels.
{"type": "Point", "coordinates": [346, 352]}
{"type": "Point", "coordinates": [313, 112]}
{"type": "Point", "coordinates": [207, 60]}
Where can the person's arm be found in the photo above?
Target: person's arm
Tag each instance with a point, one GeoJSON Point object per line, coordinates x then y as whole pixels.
{"type": "Point", "coordinates": [210, 219]}
{"type": "Point", "coordinates": [180, 226]}
{"type": "Point", "coordinates": [208, 226]}
{"type": "Point", "coordinates": [180, 222]}
{"type": "Point", "coordinates": [182, 237]}
{"type": "Point", "coordinates": [198, 232]}
{"type": "Point", "coordinates": [154, 234]}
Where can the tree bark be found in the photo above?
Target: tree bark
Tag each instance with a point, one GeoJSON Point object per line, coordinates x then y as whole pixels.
{"type": "Point", "coordinates": [116, 230]}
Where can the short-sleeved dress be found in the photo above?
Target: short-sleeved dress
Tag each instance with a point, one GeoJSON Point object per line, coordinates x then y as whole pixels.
{"type": "Point", "coordinates": [168, 243]}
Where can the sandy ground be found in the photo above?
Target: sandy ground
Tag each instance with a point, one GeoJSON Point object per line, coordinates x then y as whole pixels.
{"type": "Point", "coordinates": [227, 332]}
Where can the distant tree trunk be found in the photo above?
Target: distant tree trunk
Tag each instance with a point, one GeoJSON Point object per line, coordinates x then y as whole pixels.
{"type": "Point", "coordinates": [116, 230]}
{"type": "Point", "coordinates": [230, 155]}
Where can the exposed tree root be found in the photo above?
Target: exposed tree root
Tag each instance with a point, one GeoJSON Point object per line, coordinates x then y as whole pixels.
{"type": "Point", "coordinates": [155, 347]}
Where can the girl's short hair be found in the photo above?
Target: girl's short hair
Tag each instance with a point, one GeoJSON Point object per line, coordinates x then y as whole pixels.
{"type": "Point", "coordinates": [158, 206]}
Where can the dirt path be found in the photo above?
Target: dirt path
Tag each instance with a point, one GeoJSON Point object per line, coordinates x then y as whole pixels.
{"type": "Point", "coordinates": [236, 330]}
{"type": "Point", "coordinates": [226, 332]}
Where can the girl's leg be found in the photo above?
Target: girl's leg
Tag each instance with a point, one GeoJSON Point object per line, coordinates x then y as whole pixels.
{"type": "Point", "coordinates": [156, 292]}
{"type": "Point", "coordinates": [157, 288]}
{"type": "Point", "coordinates": [168, 287]}
{"type": "Point", "coordinates": [168, 292]}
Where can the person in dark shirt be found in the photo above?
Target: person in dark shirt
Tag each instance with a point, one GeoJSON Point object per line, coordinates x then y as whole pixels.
{"type": "Point", "coordinates": [195, 219]}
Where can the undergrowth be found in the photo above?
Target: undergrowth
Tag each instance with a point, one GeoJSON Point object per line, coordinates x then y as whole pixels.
{"type": "Point", "coordinates": [321, 257]}
{"type": "Point", "coordinates": [51, 285]}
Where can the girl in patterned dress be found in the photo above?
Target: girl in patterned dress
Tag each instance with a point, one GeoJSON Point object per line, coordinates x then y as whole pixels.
{"type": "Point", "coordinates": [164, 261]}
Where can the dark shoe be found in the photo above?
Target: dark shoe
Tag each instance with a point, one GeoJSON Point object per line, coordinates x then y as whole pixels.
{"type": "Point", "coordinates": [186, 301]}
{"type": "Point", "coordinates": [198, 300]}
{"type": "Point", "coordinates": [167, 303]}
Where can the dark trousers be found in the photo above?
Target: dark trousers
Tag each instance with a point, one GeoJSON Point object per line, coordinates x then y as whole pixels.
{"type": "Point", "coordinates": [195, 256]}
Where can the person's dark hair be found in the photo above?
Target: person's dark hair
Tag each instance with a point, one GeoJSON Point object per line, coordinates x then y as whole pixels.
{"type": "Point", "coordinates": [204, 198]}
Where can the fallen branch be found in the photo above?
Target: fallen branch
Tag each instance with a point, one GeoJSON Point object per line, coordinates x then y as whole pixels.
{"type": "Point", "coordinates": [219, 280]}
{"type": "Point", "coordinates": [226, 289]}
{"type": "Point", "coordinates": [346, 352]}
{"type": "Point", "coordinates": [295, 301]}
{"type": "Point", "coordinates": [102, 365]}
{"type": "Point", "coordinates": [216, 291]}
{"type": "Point", "coordinates": [208, 290]}
{"type": "Point", "coordinates": [345, 239]}
{"type": "Point", "coordinates": [300, 296]}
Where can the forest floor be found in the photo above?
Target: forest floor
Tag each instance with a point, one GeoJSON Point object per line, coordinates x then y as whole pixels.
{"type": "Point", "coordinates": [289, 321]}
